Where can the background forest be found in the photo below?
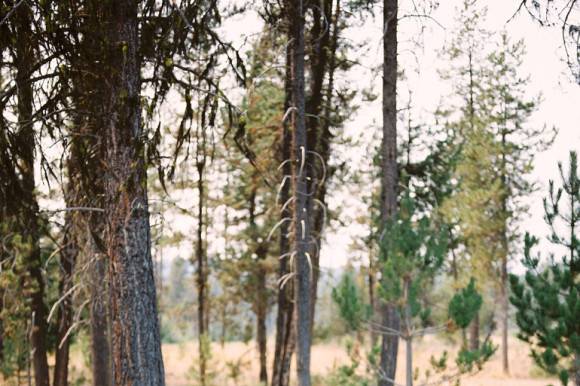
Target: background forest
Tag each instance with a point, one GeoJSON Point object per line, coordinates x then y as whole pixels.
{"type": "Point", "coordinates": [289, 192]}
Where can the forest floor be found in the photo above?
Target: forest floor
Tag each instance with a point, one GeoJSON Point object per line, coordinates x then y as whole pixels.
{"type": "Point", "coordinates": [326, 356]}
{"type": "Point", "coordinates": [241, 358]}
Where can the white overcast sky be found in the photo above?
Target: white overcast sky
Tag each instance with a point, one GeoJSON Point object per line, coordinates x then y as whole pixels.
{"type": "Point", "coordinates": [543, 62]}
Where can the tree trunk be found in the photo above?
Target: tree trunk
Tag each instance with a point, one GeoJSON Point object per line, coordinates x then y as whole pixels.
{"type": "Point", "coordinates": [409, 337]}
{"type": "Point", "coordinates": [389, 180]}
{"type": "Point", "coordinates": [28, 205]}
{"type": "Point", "coordinates": [201, 277]}
{"type": "Point", "coordinates": [99, 324]}
{"type": "Point", "coordinates": [284, 347]}
{"type": "Point", "coordinates": [302, 208]}
{"type": "Point", "coordinates": [261, 331]}
{"type": "Point", "coordinates": [322, 64]}
{"type": "Point", "coordinates": [505, 253]}
{"type": "Point", "coordinates": [504, 316]}
{"type": "Point", "coordinates": [577, 369]}
{"type": "Point", "coordinates": [136, 343]}
{"type": "Point", "coordinates": [474, 333]}
{"type": "Point", "coordinates": [68, 258]}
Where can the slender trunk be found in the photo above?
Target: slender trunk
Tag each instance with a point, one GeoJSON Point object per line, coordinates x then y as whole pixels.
{"type": "Point", "coordinates": [261, 327]}
{"type": "Point", "coordinates": [68, 257]}
{"type": "Point", "coordinates": [1, 323]}
{"type": "Point", "coordinates": [577, 369]}
{"type": "Point", "coordinates": [201, 278]}
{"type": "Point", "coordinates": [389, 180]}
{"type": "Point", "coordinates": [29, 207]}
{"type": "Point", "coordinates": [284, 347]}
{"type": "Point", "coordinates": [136, 342]}
{"type": "Point", "coordinates": [223, 331]}
{"type": "Point", "coordinates": [504, 317]}
{"type": "Point", "coordinates": [302, 207]}
{"type": "Point", "coordinates": [505, 249]}
{"type": "Point", "coordinates": [261, 298]}
{"type": "Point", "coordinates": [474, 333]}
{"type": "Point", "coordinates": [409, 337]}
{"type": "Point", "coordinates": [372, 300]}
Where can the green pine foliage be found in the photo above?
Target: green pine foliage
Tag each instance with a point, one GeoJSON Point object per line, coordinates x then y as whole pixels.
{"type": "Point", "coordinates": [547, 297]}
{"type": "Point", "coordinates": [464, 305]}
{"type": "Point", "coordinates": [412, 252]}
{"type": "Point", "coordinates": [350, 302]}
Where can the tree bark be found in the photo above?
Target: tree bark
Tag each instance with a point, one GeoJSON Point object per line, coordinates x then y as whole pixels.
{"type": "Point", "coordinates": [99, 323]}
{"type": "Point", "coordinates": [302, 205]}
{"type": "Point", "coordinates": [474, 333]}
{"type": "Point", "coordinates": [284, 343]}
{"type": "Point", "coordinates": [504, 317]}
{"type": "Point", "coordinates": [136, 343]}
{"type": "Point", "coordinates": [30, 231]}
{"type": "Point", "coordinates": [68, 258]}
{"type": "Point", "coordinates": [201, 270]}
{"type": "Point", "coordinates": [261, 332]}
{"type": "Point", "coordinates": [389, 180]}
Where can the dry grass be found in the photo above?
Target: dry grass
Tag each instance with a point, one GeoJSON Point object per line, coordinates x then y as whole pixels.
{"type": "Point", "coordinates": [179, 359]}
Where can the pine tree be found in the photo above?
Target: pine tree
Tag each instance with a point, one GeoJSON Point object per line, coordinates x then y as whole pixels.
{"type": "Point", "coordinates": [547, 297]}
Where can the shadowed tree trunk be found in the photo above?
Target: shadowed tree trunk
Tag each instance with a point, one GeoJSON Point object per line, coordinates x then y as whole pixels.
{"type": "Point", "coordinates": [260, 305]}
{"type": "Point", "coordinates": [200, 254]}
{"type": "Point", "coordinates": [302, 203]}
{"type": "Point", "coordinates": [474, 333]}
{"type": "Point", "coordinates": [28, 206]}
{"type": "Point", "coordinates": [68, 258]}
{"type": "Point", "coordinates": [389, 179]}
{"type": "Point", "coordinates": [284, 344]}
{"type": "Point", "coordinates": [99, 324]}
{"type": "Point", "coordinates": [136, 343]}
{"type": "Point", "coordinates": [88, 149]}
{"type": "Point", "coordinates": [261, 314]}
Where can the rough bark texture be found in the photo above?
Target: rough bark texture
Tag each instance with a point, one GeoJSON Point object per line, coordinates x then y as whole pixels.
{"type": "Point", "coordinates": [136, 343]}
{"type": "Point", "coordinates": [260, 305]}
{"type": "Point", "coordinates": [28, 205]}
{"type": "Point", "coordinates": [68, 258]}
{"type": "Point", "coordinates": [284, 343]}
{"type": "Point", "coordinates": [389, 178]}
{"type": "Point", "coordinates": [323, 64]}
{"type": "Point", "coordinates": [90, 97]}
{"type": "Point", "coordinates": [99, 323]}
{"type": "Point", "coordinates": [302, 209]}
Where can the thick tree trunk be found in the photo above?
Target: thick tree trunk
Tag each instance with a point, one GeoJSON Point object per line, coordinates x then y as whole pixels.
{"type": "Point", "coordinates": [136, 343]}
{"type": "Point", "coordinates": [389, 180]}
{"type": "Point", "coordinates": [28, 205]}
{"type": "Point", "coordinates": [283, 346]}
{"type": "Point", "coordinates": [68, 258]}
{"type": "Point", "coordinates": [302, 205]}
